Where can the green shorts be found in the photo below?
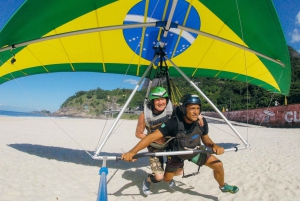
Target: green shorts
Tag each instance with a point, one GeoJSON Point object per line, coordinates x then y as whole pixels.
{"type": "Point", "coordinates": [174, 163]}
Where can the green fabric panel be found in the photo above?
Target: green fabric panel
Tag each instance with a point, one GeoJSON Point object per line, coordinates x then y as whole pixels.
{"type": "Point", "coordinates": [260, 24]}
{"type": "Point", "coordinates": [280, 74]}
{"type": "Point", "coordinates": [110, 68]}
{"type": "Point", "coordinates": [188, 71]}
{"type": "Point", "coordinates": [36, 70]}
{"type": "Point", "coordinates": [49, 12]}
{"type": "Point", "coordinates": [88, 67]}
{"type": "Point", "coordinates": [256, 21]}
{"type": "Point", "coordinates": [121, 69]}
{"type": "Point", "coordinates": [206, 73]}
{"type": "Point", "coordinates": [11, 76]}
{"type": "Point", "coordinates": [7, 55]}
{"type": "Point", "coordinates": [60, 68]}
{"type": "Point", "coordinates": [53, 68]}
{"type": "Point", "coordinates": [3, 79]}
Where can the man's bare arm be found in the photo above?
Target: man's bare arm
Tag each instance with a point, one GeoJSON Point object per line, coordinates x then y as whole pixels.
{"type": "Point", "coordinates": [140, 128]}
{"type": "Point", "coordinates": [146, 141]}
{"type": "Point", "coordinates": [209, 143]}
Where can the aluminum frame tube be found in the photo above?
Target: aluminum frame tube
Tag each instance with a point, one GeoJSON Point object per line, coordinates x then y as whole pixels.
{"type": "Point", "coordinates": [167, 27]}
{"type": "Point", "coordinates": [208, 100]}
{"type": "Point", "coordinates": [73, 33]}
{"type": "Point", "coordinates": [230, 43]}
{"type": "Point", "coordinates": [125, 106]}
{"type": "Point", "coordinates": [102, 189]}
{"type": "Point", "coordinates": [167, 153]}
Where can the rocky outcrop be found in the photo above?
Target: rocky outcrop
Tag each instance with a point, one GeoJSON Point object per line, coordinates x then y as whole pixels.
{"type": "Point", "coordinates": [293, 53]}
{"type": "Point", "coordinates": [73, 112]}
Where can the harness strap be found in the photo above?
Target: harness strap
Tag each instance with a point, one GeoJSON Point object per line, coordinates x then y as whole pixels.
{"type": "Point", "coordinates": [162, 146]}
{"type": "Point", "coordinates": [179, 123]}
{"type": "Point", "coordinates": [192, 174]}
{"type": "Point", "coordinates": [196, 148]}
{"type": "Point", "coordinates": [199, 162]}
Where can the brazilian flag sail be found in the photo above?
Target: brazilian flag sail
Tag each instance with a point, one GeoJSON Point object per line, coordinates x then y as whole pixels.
{"type": "Point", "coordinates": [235, 40]}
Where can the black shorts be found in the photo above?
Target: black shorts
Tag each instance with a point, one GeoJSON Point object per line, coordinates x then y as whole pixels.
{"type": "Point", "coordinates": [173, 163]}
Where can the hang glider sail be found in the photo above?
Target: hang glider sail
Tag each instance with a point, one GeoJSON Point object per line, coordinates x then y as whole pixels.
{"type": "Point", "coordinates": [243, 42]}
{"type": "Point", "coordinates": [194, 38]}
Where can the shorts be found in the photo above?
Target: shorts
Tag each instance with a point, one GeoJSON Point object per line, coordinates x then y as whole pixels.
{"type": "Point", "coordinates": [174, 163]}
{"type": "Point", "coordinates": [156, 162]}
{"type": "Point", "coordinates": [200, 159]}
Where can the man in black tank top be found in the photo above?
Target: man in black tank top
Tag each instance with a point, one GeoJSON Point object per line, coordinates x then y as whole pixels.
{"type": "Point", "coordinates": [158, 110]}
{"type": "Point", "coordinates": [190, 106]}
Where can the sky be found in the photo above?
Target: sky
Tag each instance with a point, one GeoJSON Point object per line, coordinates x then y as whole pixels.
{"type": "Point", "coordinates": [49, 91]}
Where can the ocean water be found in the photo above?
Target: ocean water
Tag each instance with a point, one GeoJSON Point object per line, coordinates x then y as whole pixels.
{"type": "Point", "coordinates": [21, 114]}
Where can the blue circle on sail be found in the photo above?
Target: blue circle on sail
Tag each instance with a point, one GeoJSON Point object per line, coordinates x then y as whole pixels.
{"type": "Point", "coordinates": [176, 41]}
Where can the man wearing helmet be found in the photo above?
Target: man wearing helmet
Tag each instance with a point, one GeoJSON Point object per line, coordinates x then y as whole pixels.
{"type": "Point", "coordinates": [187, 133]}
{"type": "Point", "coordinates": [158, 110]}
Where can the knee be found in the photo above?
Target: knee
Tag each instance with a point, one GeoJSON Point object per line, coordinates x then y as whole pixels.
{"type": "Point", "coordinates": [218, 166]}
{"type": "Point", "coordinates": [214, 163]}
{"type": "Point", "coordinates": [155, 179]}
{"type": "Point", "coordinates": [159, 177]}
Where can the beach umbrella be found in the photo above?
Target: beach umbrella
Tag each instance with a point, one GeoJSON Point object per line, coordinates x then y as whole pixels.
{"type": "Point", "coordinates": [233, 39]}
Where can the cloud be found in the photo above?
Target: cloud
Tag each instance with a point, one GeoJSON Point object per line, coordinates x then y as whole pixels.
{"type": "Point", "coordinates": [298, 18]}
{"type": "Point", "coordinates": [131, 81]}
{"type": "Point", "coordinates": [296, 32]}
{"type": "Point", "coordinates": [295, 36]}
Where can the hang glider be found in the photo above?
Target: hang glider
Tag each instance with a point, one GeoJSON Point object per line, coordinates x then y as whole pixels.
{"type": "Point", "coordinates": [235, 40]}
{"type": "Point", "coordinates": [243, 42]}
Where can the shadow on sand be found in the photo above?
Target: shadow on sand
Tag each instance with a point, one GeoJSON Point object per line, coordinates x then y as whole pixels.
{"type": "Point", "coordinates": [136, 178]}
{"type": "Point", "coordinates": [75, 156]}
{"type": "Point", "coordinates": [81, 157]}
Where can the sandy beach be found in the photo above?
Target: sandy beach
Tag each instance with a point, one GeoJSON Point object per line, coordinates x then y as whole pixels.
{"type": "Point", "coordinates": [46, 159]}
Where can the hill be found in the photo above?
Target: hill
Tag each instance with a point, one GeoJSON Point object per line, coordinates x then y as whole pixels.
{"type": "Point", "coordinates": [93, 103]}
